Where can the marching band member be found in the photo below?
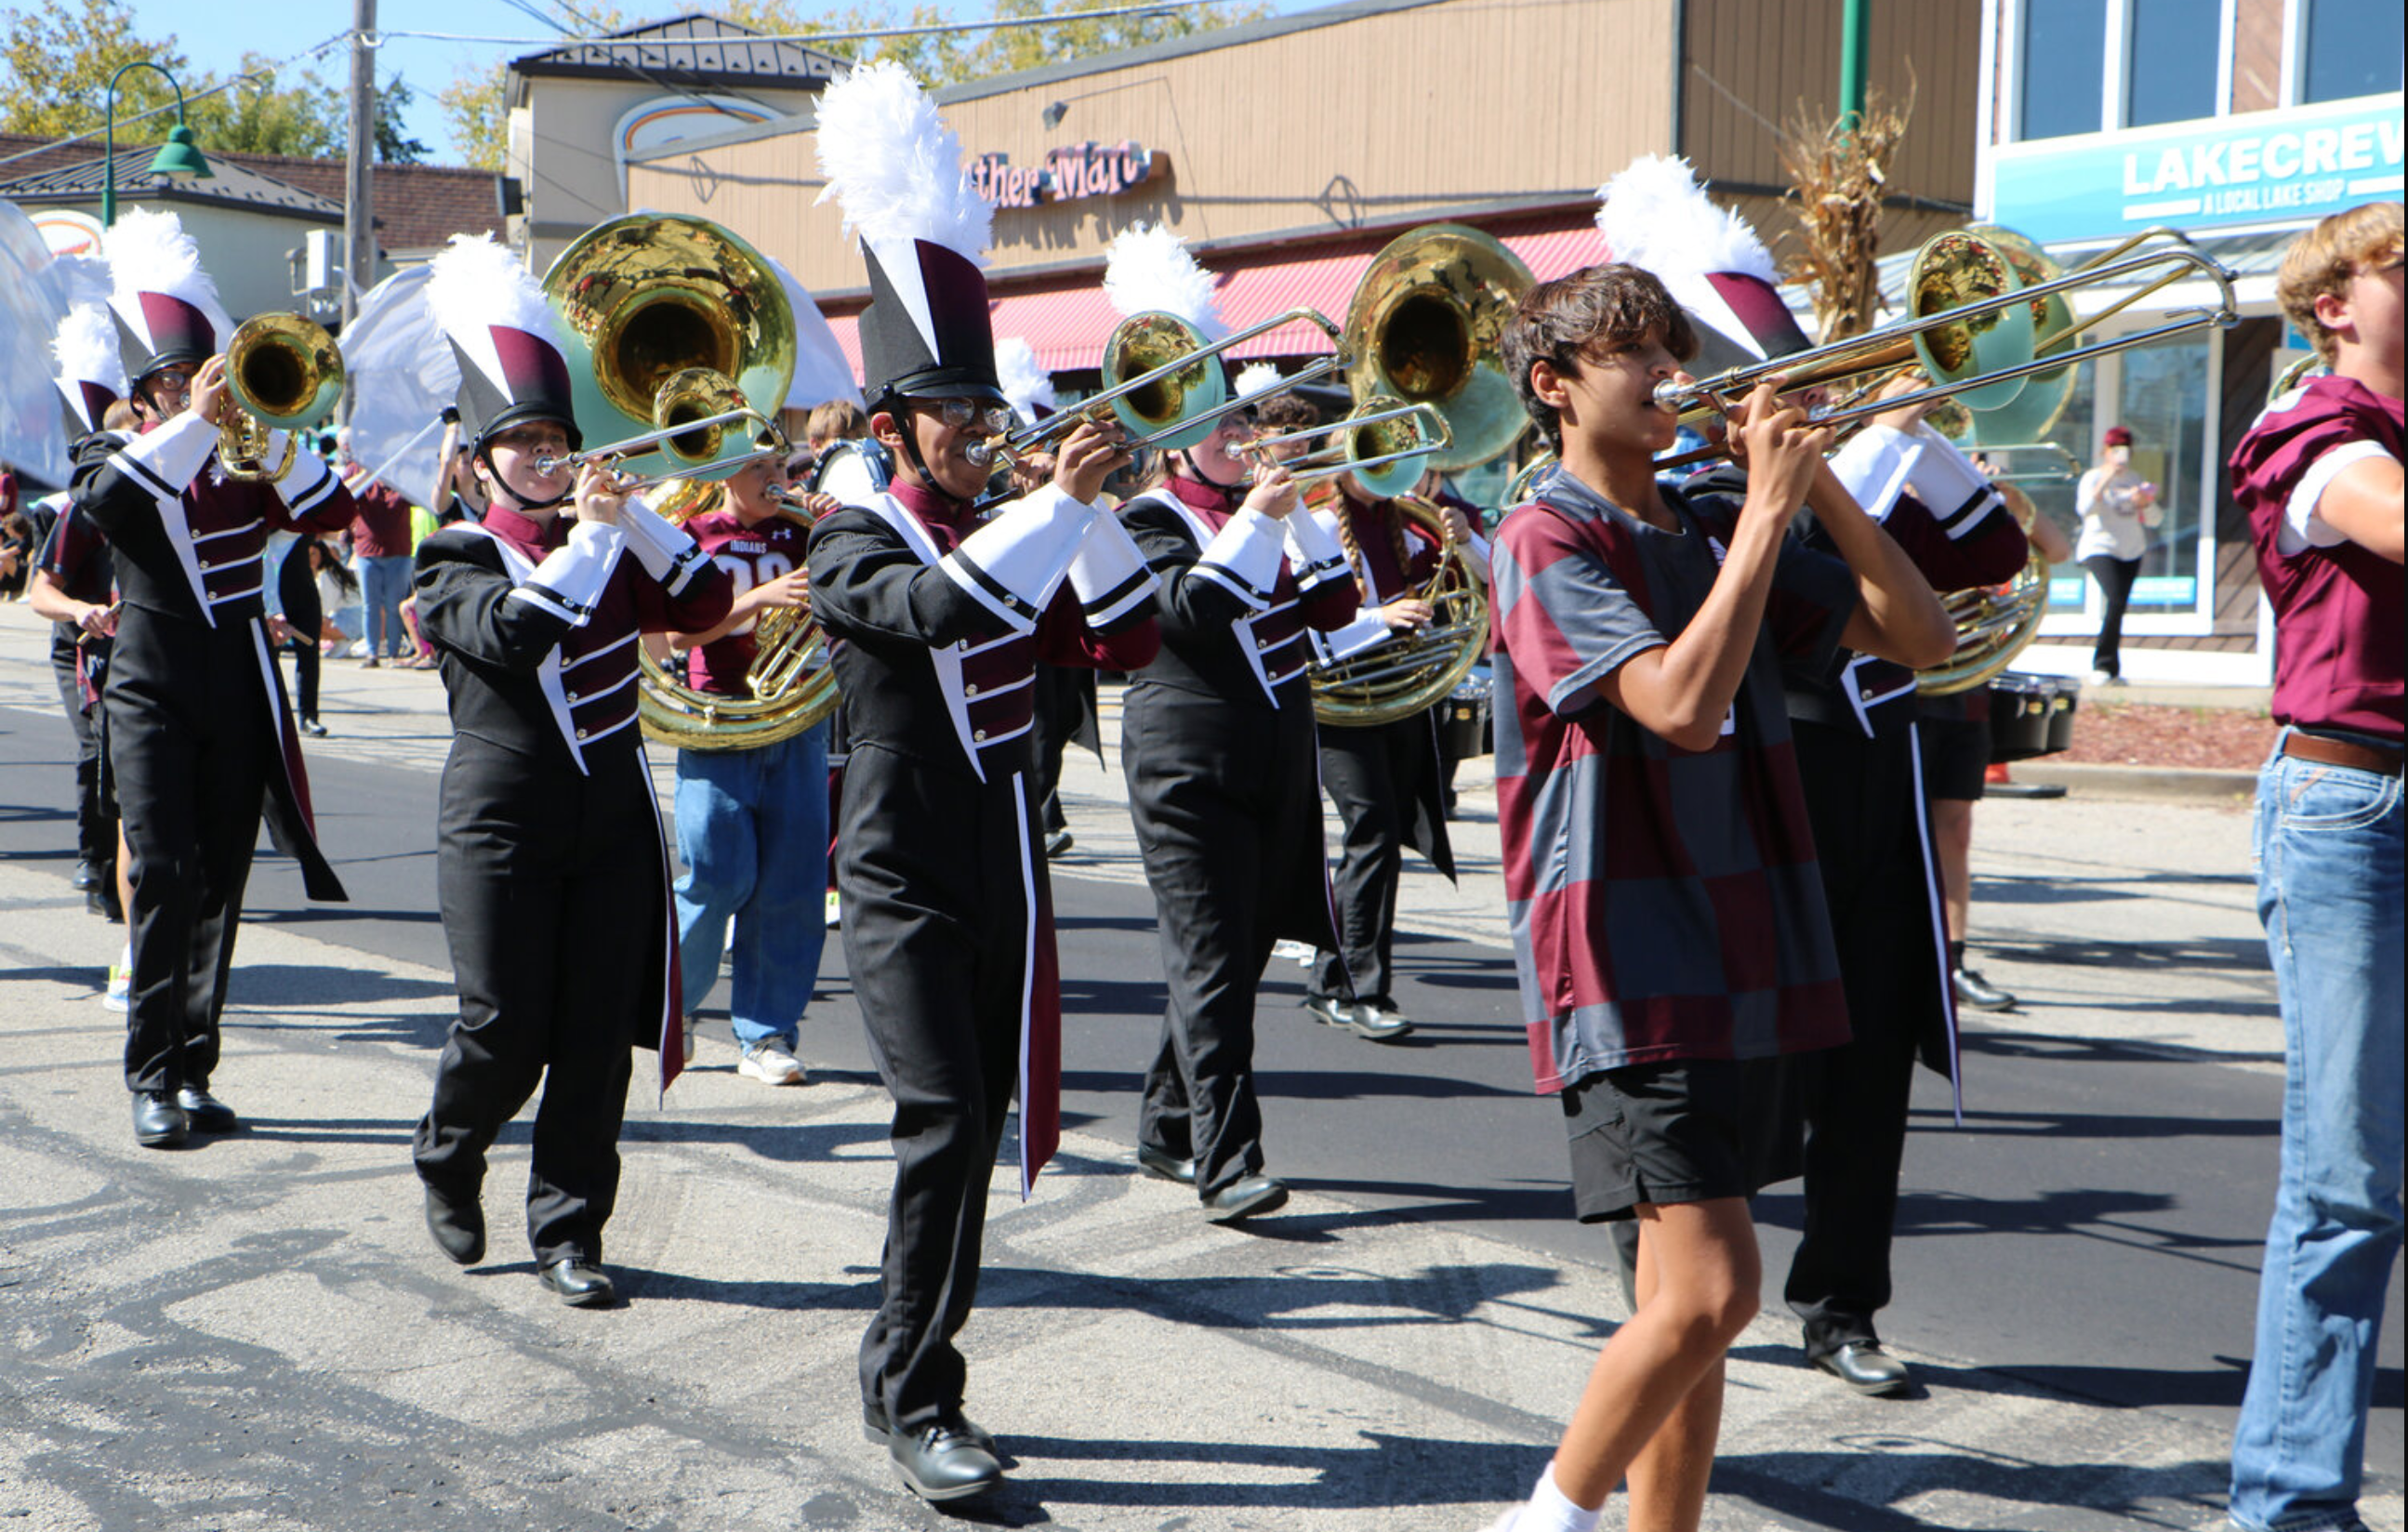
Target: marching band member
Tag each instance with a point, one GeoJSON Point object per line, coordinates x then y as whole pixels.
{"type": "Point", "coordinates": [199, 736]}
{"type": "Point", "coordinates": [1066, 711]}
{"type": "Point", "coordinates": [1854, 722]}
{"type": "Point", "coordinates": [1386, 780]}
{"type": "Point", "coordinates": [752, 824]}
{"type": "Point", "coordinates": [1217, 742]}
{"type": "Point", "coordinates": [75, 587]}
{"type": "Point", "coordinates": [936, 622]}
{"type": "Point", "coordinates": [549, 868]}
{"type": "Point", "coordinates": [1668, 927]}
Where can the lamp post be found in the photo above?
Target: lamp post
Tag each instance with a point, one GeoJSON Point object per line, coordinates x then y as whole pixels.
{"type": "Point", "coordinates": [179, 158]}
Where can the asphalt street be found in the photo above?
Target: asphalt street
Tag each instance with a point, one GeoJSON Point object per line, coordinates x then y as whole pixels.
{"type": "Point", "coordinates": [2091, 1230]}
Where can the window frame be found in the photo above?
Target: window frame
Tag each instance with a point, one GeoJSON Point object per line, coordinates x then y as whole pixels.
{"type": "Point", "coordinates": [2289, 91]}
{"type": "Point", "coordinates": [2004, 38]}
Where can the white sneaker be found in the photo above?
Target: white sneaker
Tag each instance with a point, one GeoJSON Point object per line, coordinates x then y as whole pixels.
{"type": "Point", "coordinates": [686, 1036]}
{"type": "Point", "coordinates": [835, 911]}
{"type": "Point", "coordinates": [1295, 952]}
{"type": "Point", "coordinates": [2100, 677]}
{"type": "Point", "coordinates": [771, 1064]}
{"type": "Point", "coordinates": [119, 995]}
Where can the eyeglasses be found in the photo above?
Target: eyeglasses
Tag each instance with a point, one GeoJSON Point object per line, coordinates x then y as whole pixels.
{"type": "Point", "coordinates": [962, 413]}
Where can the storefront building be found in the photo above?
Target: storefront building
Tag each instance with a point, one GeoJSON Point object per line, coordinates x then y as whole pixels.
{"type": "Point", "coordinates": [1289, 151]}
{"type": "Point", "coordinates": [2239, 122]}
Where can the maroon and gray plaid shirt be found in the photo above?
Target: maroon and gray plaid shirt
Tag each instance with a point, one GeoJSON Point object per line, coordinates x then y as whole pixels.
{"type": "Point", "coordinates": [1665, 903]}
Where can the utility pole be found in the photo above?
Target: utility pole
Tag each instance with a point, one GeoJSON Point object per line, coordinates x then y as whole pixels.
{"type": "Point", "coordinates": [1854, 45]}
{"type": "Point", "coordinates": [359, 195]}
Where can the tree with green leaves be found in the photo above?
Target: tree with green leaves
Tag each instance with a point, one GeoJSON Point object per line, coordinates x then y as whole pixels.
{"type": "Point", "coordinates": [55, 66]}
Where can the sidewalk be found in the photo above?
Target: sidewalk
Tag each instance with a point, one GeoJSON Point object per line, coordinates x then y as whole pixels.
{"type": "Point", "coordinates": [255, 1334]}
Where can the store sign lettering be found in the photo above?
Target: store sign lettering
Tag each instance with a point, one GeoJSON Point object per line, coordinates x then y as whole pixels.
{"type": "Point", "coordinates": [2291, 166]}
{"type": "Point", "coordinates": [1080, 170]}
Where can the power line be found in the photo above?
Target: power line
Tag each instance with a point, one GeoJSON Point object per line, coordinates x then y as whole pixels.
{"type": "Point", "coordinates": [857, 35]}
{"type": "Point", "coordinates": [257, 77]}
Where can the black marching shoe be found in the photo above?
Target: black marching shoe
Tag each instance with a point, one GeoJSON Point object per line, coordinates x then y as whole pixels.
{"type": "Point", "coordinates": [1863, 1366]}
{"type": "Point", "coordinates": [207, 1113]}
{"type": "Point", "coordinates": [1244, 1197]}
{"type": "Point", "coordinates": [579, 1282]}
{"type": "Point", "coordinates": [943, 1461]}
{"type": "Point", "coordinates": [1975, 991]}
{"type": "Point", "coordinates": [158, 1121]}
{"type": "Point", "coordinates": [876, 1428]}
{"type": "Point", "coordinates": [87, 875]}
{"type": "Point", "coordinates": [1160, 1163]}
{"type": "Point", "coordinates": [458, 1226]}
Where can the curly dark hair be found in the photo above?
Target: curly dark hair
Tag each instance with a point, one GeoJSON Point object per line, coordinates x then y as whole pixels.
{"type": "Point", "coordinates": [1556, 321]}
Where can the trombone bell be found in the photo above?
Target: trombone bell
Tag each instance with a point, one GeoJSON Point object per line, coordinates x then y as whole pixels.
{"type": "Point", "coordinates": [1952, 270]}
{"type": "Point", "coordinates": [1148, 349]}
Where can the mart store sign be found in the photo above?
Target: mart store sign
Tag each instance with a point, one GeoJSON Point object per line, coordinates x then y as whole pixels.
{"type": "Point", "coordinates": [2288, 167]}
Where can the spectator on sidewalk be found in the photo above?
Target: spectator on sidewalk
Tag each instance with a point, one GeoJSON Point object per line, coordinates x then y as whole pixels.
{"type": "Point", "coordinates": [381, 558]}
{"type": "Point", "coordinates": [2319, 475]}
{"type": "Point", "coordinates": [2117, 509]}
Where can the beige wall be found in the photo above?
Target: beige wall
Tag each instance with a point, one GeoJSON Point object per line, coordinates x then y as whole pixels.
{"type": "Point", "coordinates": [1327, 128]}
{"type": "Point", "coordinates": [561, 152]}
{"type": "Point", "coordinates": [243, 252]}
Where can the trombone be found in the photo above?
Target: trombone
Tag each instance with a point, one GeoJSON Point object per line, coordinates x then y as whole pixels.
{"type": "Point", "coordinates": [1967, 358]}
{"type": "Point", "coordinates": [1152, 401]}
{"type": "Point", "coordinates": [1428, 434]}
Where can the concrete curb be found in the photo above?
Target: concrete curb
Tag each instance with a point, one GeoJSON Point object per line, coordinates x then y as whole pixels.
{"type": "Point", "coordinates": [2160, 784]}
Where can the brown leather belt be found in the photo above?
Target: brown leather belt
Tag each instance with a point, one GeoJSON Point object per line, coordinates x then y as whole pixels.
{"type": "Point", "coordinates": [2326, 751]}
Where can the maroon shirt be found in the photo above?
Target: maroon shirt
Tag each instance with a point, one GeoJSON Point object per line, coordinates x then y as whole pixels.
{"type": "Point", "coordinates": [381, 528]}
{"type": "Point", "coordinates": [752, 557]}
{"type": "Point", "coordinates": [2341, 625]}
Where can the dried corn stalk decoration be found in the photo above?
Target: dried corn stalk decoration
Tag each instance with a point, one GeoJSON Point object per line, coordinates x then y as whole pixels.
{"type": "Point", "coordinates": [1838, 174]}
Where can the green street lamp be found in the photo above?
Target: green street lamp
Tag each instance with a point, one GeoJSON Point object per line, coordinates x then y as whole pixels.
{"type": "Point", "coordinates": [178, 158]}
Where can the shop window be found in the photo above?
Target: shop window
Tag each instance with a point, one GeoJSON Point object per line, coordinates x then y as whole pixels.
{"type": "Point", "coordinates": [2163, 400]}
{"type": "Point", "coordinates": [2063, 67]}
{"type": "Point", "coordinates": [2169, 76]}
{"type": "Point", "coordinates": [2350, 47]}
{"type": "Point", "coordinates": [2052, 495]}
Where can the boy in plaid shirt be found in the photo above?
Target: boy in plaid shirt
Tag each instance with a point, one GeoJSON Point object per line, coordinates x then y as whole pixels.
{"type": "Point", "coordinates": [1668, 914]}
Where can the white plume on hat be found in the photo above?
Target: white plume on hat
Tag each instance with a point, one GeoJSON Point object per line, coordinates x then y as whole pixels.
{"type": "Point", "coordinates": [894, 167]}
{"type": "Point", "coordinates": [76, 280]}
{"type": "Point", "coordinates": [1025, 382]}
{"type": "Point", "coordinates": [1150, 270]}
{"type": "Point", "coordinates": [1257, 378]}
{"type": "Point", "coordinates": [476, 284]}
{"type": "Point", "coordinates": [86, 348]}
{"type": "Point", "coordinates": [148, 252]}
{"type": "Point", "coordinates": [1657, 216]}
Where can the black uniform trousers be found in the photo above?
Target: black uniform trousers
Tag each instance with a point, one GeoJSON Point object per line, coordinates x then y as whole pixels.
{"type": "Point", "coordinates": [931, 866]}
{"type": "Point", "coordinates": [1860, 798]}
{"type": "Point", "coordinates": [191, 746]}
{"type": "Point", "coordinates": [1383, 780]}
{"type": "Point", "coordinates": [96, 811]}
{"type": "Point", "coordinates": [297, 591]}
{"type": "Point", "coordinates": [1230, 824]}
{"type": "Point", "coordinates": [1064, 716]}
{"type": "Point", "coordinates": [551, 887]}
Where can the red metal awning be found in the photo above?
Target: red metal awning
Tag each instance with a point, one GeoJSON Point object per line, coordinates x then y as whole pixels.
{"type": "Point", "coordinates": [1066, 322]}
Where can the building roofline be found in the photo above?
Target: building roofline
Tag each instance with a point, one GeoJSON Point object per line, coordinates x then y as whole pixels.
{"type": "Point", "coordinates": [1199, 42]}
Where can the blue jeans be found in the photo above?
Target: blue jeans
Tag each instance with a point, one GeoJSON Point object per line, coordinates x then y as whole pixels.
{"type": "Point", "coordinates": [2328, 846]}
{"type": "Point", "coordinates": [383, 581]}
{"type": "Point", "coordinates": [752, 828]}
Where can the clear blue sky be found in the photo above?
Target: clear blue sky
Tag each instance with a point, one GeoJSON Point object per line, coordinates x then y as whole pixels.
{"type": "Point", "coordinates": [215, 33]}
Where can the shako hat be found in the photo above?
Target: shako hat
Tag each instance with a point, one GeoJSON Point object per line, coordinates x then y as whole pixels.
{"type": "Point", "coordinates": [91, 373]}
{"type": "Point", "coordinates": [165, 303]}
{"type": "Point", "coordinates": [896, 170]}
{"type": "Point", "coordinates": [508, 340]}
{"type": "Point", "coordinates": [1654, 215]}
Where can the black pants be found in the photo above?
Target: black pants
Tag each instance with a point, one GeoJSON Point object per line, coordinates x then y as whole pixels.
{"type": "Point", "coordinates": [1860, 798]}
{"type": "Point", "coordinates": [95, 813]}
{"type": "Point", "coordinates": [1230, 828]}
{"type": "Point", "coordinates": [2114, 577]}
{"type": "Point", "coordinates": [935, 933]}
{"type": "Point", "coordinates": [1373, 775]}
{"type": "Point", "coordinates": [1063, 701]}
{"type": "Point", "coordinates": [555, 907]}
{"type": "Point", "coordinates": [190, 750]}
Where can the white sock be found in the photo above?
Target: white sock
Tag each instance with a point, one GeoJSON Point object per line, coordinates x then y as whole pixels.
{"type": "Point", "coordinates": [1549, 1509]}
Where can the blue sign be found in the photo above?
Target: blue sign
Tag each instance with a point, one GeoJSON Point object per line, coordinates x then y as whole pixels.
{"type": "Point", "coordinates": [2291, 166]}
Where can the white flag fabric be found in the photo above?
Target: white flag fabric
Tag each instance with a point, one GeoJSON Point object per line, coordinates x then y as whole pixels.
{"type": "Point", "coordinates": [33, 434]}
{"type": "Point", "coordinates": [402, 375]}
{"type": "Point", "coordinates": [820, 371]}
